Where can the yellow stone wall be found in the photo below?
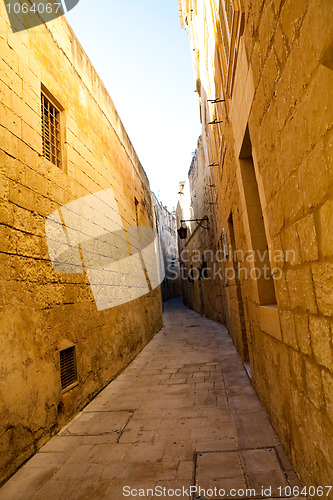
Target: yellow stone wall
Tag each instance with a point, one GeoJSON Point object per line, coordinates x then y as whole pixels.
{"type": "Point", "coordinates": [201, 293]}
{"type": "Point", "coordinates": [42, 310]}
{"type": "Point", "coordinates": [275, 178]}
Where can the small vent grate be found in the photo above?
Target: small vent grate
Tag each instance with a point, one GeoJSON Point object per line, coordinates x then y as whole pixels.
{"type": "Point", "coordinates": [68, 371]}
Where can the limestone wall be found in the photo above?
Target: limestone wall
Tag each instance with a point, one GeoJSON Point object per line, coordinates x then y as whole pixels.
{"type": "Point", "coordinates": [202, 289]}
{"type": "Point", "coordinates": [272, 140]}
{"type": "Point", "coordinates": [43, 311]}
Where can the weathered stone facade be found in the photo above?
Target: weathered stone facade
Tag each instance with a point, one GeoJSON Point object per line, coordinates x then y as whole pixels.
{"type": "Point", "coordinates": [166, 226]}
{"type": "Point", "coordinates": [43, 311]}
{"type": "Point", "coordinates": [200, 291]}
{"type": "Point", "coordinates": [264, 81]}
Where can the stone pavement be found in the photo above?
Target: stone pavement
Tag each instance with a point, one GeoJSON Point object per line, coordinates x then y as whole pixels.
{"type": "Point", "coordinates": [182, 414]}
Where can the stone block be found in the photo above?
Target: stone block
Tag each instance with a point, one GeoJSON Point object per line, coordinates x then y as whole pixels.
{"type": "Point", "coordinates": [35, 65]}
{"type": "Point", "coordinates": [301, 289]}
{"type": "Point", "coordinates": [30, 100]}
{"type": "Point", "coordinates": [8, 239]}
{"type": "Point", "coordinates": [28, 155]}
{"type": "Point", "coordinates": [314, 383]}
{"type": "Point", "coordinates": [28, 76]}
{"type": "Point", "coordinates": [5, 92]}
{"type": "Point", "coordinates": [324, 223]}
{"type": "Point", "coordinates": [292, 14]}
{"type": "Point", "coordinates": [323, 283]}
{"type": "Point", "coordinates": [9, 76]}
{"type": "Point", "coordinates": [308, 238]}
{"type": "Point", "coordinates": [328, 392]}
{"type": "Point", "coordinates": [9, 142]}
{"type": "Point", "coordinates": [10, 120]}
{"type": "Point", "coordinates": [280, 46]}
{"type": "Point", "coordinates": [328, 151]}
{"type": "Point", "coordinates": [30, 113]}
{"type": "Point", "coordinates": [4, 187]}
{"type": "Point", "coordinates": [269, 321]}
{"type": "Point", "coordinates": [313, 178]}
{"type": "Point", "coordinates": [303, 332]}
{"type": "Point", "coordinates": [268, 77]}
{"type": "Point", "coordinates": [266, 27]}
{"type": "Point", "coordinates": [7, 212]}
{"type": "Point", "coordinates": [12, 169]}
{"type": "Point", "coordinates": [288, 329]}
{"type": "Point", "coordinates": [21, 196]}
{"type": "Point", "coordinates": [44, 206]}
{"type": "Point", "coordinates": [23, 219]}
{"type": "Point", "coordinates": [278, 256]}
{"type": "Point", "coordinates": [291, 245]}
{"type": "Point", "coordinates": [275, 214]}
{"type": "Point", "coordinates": [321, 340]}
{"type": "Point", "coordinates": [281, 290]}
{"type": "Point", "coordinates": [32, 137]}
{"type": "Point", "coordinates": [292, 198]}
{"type": "Point", "coordinates": [28, 245]}
{"type": "Point", "coordinates": [297, 367]}
{"type": "Point", "coordinates": [36, 181]}
{"type": "Point", "coordinates": [284, 367]}
{"type": "Point", "coordinates": [317, 29]}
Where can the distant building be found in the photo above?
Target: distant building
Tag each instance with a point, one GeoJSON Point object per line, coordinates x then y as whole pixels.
{"type": "Point", "coordinates": [167, 230]}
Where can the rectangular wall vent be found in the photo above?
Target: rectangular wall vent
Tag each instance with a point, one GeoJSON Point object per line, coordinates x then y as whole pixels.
{"type": "Point", "coordinates": [68, 369]}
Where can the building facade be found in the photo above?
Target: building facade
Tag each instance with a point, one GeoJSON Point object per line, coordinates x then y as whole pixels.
{"type": "Point", "coordinates": [166, 226]}
{"type": "Point", "coordinates": [61, 140]}
{"type": "Point", "coordinates": [264, 81]}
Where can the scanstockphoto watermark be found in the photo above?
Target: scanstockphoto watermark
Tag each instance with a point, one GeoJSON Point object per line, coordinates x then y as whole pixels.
{"type": "Point", "coordinates": [228, 265]}
{"type": "Point", "coordinates": [199, 492]}
{"type": "Point", "coordinates": [186, 491]}
{"type": "Point", "coordinates": [27, 14]}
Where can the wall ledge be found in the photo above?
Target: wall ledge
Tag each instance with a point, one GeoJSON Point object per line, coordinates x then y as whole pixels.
{"type": "Point", "coordinates": [270, 322]}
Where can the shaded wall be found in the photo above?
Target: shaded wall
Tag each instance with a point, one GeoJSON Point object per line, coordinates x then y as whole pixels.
{"type": "Point", "coordinates": [43, 311]}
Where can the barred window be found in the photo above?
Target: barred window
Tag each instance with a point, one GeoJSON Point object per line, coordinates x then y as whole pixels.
{"type": "Point", "coordinates": [68, 369]}
{"type": "Point", "coordinates": [51, 130]}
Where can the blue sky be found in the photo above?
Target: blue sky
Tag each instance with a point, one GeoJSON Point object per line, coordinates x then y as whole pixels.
{"type": "Point", "coordinates": [144, 59]}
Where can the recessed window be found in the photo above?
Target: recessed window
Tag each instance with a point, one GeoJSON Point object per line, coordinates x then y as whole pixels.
{"type": "Point", "coordinates": [68, 368]}
{"type": "Point", "coordinates": [51, 136]}
{"type": "Point", "coordinates": [255, 215]}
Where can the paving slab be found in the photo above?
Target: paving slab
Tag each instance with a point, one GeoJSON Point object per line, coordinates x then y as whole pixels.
{"type": "Point", "coordinates": [183, 414]}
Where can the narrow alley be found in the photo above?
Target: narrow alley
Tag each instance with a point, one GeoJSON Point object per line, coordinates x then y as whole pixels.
{"type": "Point", "coordinates": [166, 288]}
{"type": "Point", "coordinates": [182, 414]}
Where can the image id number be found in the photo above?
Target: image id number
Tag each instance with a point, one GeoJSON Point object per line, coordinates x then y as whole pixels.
{"type": "Point", "coordinates": [310, 491]}
{"type": "Point", "coordinates": [35, 7]}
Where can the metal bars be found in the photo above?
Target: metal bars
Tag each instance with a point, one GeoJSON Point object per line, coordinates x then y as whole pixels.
{"type": "Point", "coordinates": [50, 116]}
{"type": "Point", "coordinates": [68, 370]}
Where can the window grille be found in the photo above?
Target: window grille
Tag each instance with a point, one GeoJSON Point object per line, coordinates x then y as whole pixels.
{"type": "Point", "coordinates": [68, 369]}
{"type": "Point", "coordinates": [50, 116]}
